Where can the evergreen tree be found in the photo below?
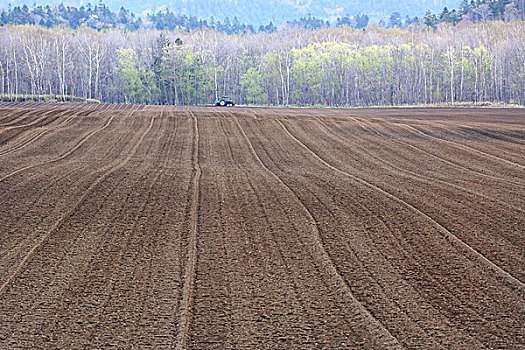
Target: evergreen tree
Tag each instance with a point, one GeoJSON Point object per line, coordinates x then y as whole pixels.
{"type": "Point", "coordinates": [395, 20]}
{"type": "Point", "coordinates": [227, 27]}
{"type": "Point", "coordinates": [361, 21]}
{"type": "Point", "coordinates": [444, 14]}
{"type": "Point", "coordinates": [236, 25]}
{"type": "Point", "coordinates": [430, 19]}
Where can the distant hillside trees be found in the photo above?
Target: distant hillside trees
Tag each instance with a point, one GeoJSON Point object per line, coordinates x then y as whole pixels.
{"type": "Point", "coordinates": [101, 17]}
{"type": "Point", "coordinates": [472, 11]}
{"type": "Point", "coordinates": [482, 61]}
{"type": "Point", "coordinates": [97, 17]}
{"type": "Point", "coordinates": [492, 10]}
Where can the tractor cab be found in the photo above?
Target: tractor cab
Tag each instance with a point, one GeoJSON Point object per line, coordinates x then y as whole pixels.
{"type": "Point", "coordinates": [224, 101]}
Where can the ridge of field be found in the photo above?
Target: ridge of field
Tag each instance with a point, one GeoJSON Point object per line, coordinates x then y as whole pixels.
{"type": "Point", "coordinates": [238, 228]}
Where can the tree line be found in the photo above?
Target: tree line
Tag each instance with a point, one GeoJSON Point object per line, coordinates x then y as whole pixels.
{"type": "Point", "coordinates": [101, 17]}
{"type": "Point", "coordinates": [472, 11]}
{"type": "Point", "coordinates": [482, 61]}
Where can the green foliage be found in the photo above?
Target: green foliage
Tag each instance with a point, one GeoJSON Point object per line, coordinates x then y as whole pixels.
{"type": "Point", "coordinates": [331, 67]}
{"type": "Point", "coordinates": [187, 74]}
{"type": "Point", "coordinates": [252, 84]}
{"type": "Point", "coordinates": [307, 72]}
{"type": "Point", "coordinates": [137, 83]}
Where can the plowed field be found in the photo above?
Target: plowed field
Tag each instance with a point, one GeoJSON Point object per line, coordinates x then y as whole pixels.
{"type": "Point", "coordinates": [138, 227]}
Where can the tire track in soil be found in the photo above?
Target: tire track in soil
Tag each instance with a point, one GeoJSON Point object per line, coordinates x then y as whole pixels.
{"type": "Point", "coordinates": [227, 253]}
{"type": "Point", "coordinates": [417, 176]}
{"type": "Point", "coordinates": [77, 146]}
{"type": "Point", "coordinates": [408, 256]}
{"type": "Point", "coordinates": [73, 142]}
{"type": "Point", "coordinates": [491, 134]}
{"type": "Point", "coordinates": [386, 289]}
{"type": "Point", "coordinates": [69, 213]}
{"type": "Point", "coordinates": [478, 138]}
{"type": "Point", "coordinates": [383, 337]}
{"type": "Point", "coordinates": [468, 148]}
{"type": "Point", "coordinates": [267, 246]}
{"type": "Point", "coordinates": [71, 170]}
{"type": "Point", "coordinates": [367, 274]}
{"type": "Point", "coordinates": [39, 119]}
{"type": "Point", "coordinates": [438, 158]}
{"type": "Point", "coordinates": [18, 115]}
{"type": "Point", "coordinates": [444, 160]}
{"type": "Point", "coordinates": [227, 340]}
{"type": "Point", "coordinates": [504, 274]}
{"type": "Point", "coordinates": [188, 289]}
{"type": "Point", "coordinates": [12, 133]}
{"type": "Point", "coordinates": [483, 185]}
{"type": "Point", "coordinates": [37, 136]}
{"type": "Point", "coordinates": [7, 115]}
{"type": "Point", "coordinates": [383, 299]}
{"type": "Point", "coordinates": [271, 243]}
{"type": "Point", "coordinates": [110, 287]}
{"type": "Point", "coordinates": [260, 204]}
{"type": "Point", "coordinates": [53, 321]}
{"type": "Point", "coordinates": [164, 156]}
{"type": "Point", "coordinates": [495, 203]}
{"type": "Point", "coordinates": [30, 310]}
{"type": "Point", "coordinates": [457, 313]}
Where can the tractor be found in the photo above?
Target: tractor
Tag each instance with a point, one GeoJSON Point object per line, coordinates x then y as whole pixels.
{"type": "Point", "coordinates": [224, 101]}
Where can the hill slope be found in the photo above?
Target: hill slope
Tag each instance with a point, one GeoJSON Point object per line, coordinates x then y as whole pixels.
{"type": "Point", "coordinates": [263, 11]}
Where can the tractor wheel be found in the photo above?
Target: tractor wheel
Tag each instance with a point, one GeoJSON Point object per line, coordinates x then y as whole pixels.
{"type": "Point", "coordinates": [222, 103]}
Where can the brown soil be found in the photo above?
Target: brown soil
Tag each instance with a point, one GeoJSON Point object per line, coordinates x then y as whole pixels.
{"type": "Point", "coordinates": [127, 226]}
